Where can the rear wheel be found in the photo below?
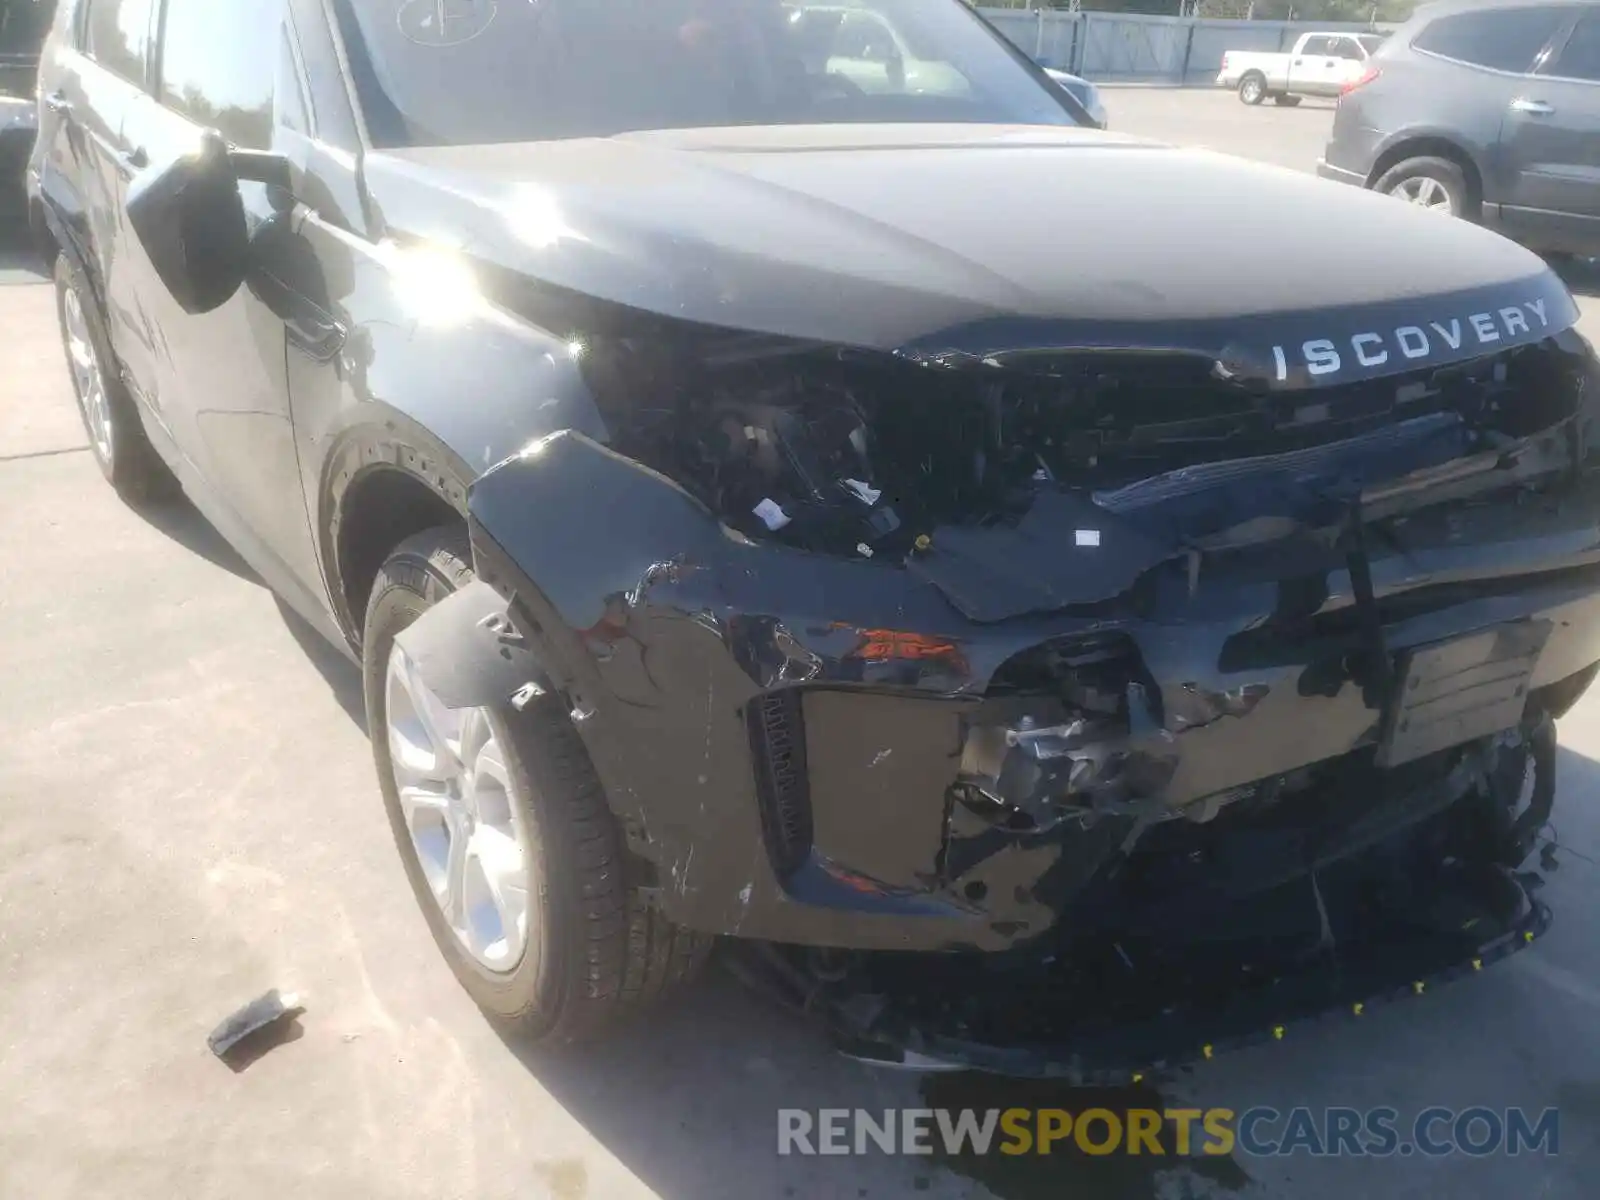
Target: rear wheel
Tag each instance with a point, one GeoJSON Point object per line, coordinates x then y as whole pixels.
{"type": "Point", "coordinates": [116, 436]}
{"type": "Point", "coordinates": [1436, 184]}
{"type": "Point", "coordinates": [1253, 87]}
{"type": "Point", "coordinates": [507, 840]}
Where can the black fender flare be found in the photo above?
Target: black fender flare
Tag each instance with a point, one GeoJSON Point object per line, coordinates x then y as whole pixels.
{"type": "Point", "coordinates": [382, 439]}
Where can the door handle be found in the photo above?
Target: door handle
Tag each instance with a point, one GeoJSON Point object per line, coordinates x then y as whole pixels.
{"type": "Point", "coordinates": [1534, 108]}
{"type": "Point", "coordinates": [133, 161]}
{"type": "Point", "coordinates": [319, 338]}
{"type": "Point", "coordinates": [58, 103]}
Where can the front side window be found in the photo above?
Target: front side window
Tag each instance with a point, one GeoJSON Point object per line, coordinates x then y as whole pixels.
{"type": "Point", "coordinates": [217, 65]}
{"type": "Point", "coordinates": [452, 72]}
{"type": "Point", "coordinates": [118, 36]}
{"type": "Point", "coordinates": [1580, 57]}
{"type": "Point", "coordinates": [1505, 39]}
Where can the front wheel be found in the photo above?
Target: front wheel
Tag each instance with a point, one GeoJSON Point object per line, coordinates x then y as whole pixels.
{"type": "Point", "coordinates": [505, 833]}
{"type": "Point", "coordinates": [1253, 88]}
{"type": "Point", "coordinates": [1284, 100]}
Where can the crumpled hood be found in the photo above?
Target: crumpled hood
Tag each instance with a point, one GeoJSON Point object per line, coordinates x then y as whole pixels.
{"type": "Point", "coordinates": [982, 240]}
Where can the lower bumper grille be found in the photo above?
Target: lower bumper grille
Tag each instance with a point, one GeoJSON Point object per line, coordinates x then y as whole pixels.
{"type": "Point", "coordinates": [783, 790]}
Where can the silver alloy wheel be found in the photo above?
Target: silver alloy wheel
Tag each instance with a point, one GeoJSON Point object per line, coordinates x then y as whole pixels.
{"type": "Point", "coordinates": [466, 829]}
{"type": "Point", "coordinates": [1425, 192]}
{"type": "Point", "coordinates": [87, 380]}
{"type": "Point", "coordinates": [1253, 89]}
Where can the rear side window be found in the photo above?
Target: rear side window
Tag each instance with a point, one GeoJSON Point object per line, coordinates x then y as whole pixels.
{"type": "Point", "coordinates": [1346, 48]}
{"type": "Point", "coordinates": [217, 65]}
{"type": "Point", "coordinates": [1580, 57]}
{"type": "Point", "coordinates": [1319, 47]}
{"type": "Point", "coordinates": [1504, 39]}
{"type": "Point", "coordinates": [118, 36]}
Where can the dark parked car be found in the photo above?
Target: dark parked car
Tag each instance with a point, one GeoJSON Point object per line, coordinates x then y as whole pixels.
{"type": "Point", "coordinates": [23, 24]}
{"type": "Point", "coordinates": [1489, 111]}
{"type": "Point", "coordinates": [747, 528]}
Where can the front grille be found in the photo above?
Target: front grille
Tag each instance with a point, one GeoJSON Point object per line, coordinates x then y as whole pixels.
{"type": "Point", "coordinates": [1119, 418]}
{"type": "Point", "coordinates": [783, 790]}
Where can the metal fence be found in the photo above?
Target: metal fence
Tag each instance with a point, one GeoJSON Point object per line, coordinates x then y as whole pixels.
{"type": "Point", "coordinates": [1134, 48]}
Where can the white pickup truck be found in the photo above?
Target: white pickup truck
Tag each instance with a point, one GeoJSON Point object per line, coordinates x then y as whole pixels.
{"type": "Point", "coordinates": [1321, 64]}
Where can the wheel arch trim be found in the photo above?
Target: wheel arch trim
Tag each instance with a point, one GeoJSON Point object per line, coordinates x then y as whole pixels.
{"type": "Point", "coordinates": [378, 439]}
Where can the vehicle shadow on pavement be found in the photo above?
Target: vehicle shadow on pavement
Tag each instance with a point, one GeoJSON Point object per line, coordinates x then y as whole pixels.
{"type": "Point", "coordinates": [18, 261]}
{"type": "Point", "coordinates": [341, 675]}
{"type": "Point", "coordinates": [687, 1098]}
{"type": "Point", "coordinates": [181, 521]}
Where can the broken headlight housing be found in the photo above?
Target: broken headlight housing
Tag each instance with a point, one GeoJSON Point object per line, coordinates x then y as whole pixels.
{"type": "Point", "coordinates": [831, 450]}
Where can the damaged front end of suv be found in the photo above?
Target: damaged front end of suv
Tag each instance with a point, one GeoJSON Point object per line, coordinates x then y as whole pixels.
{"type": "Point", "coordinates": [1048, 704]}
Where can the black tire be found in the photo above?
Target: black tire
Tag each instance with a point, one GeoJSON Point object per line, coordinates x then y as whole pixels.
{"type": "Point", "coordinates": [1283, 100]}
{"type": "Point", "coordinates": [1253, 87]}
{"type": "Point", "coordinates": [595, 951]}
{"type": "Point", "coordinates": [124, 453]}
{"type": "Point", "coordinates": [1440, 171]}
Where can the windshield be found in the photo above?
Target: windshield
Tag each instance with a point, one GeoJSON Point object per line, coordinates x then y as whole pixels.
{"type": "Point", "coordinates": [461, 72]}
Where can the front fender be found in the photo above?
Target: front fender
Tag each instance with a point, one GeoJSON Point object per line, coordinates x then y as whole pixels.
{"type": "Point", "coordinates": [471, 653]}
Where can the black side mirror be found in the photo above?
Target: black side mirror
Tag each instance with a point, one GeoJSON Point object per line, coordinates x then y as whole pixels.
{"type": "Point", "coordinates": [189, 216]}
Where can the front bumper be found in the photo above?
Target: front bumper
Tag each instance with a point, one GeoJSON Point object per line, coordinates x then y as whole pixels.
{"type": "Point", "coordinates": [782, 734]}
{"type": "Point", "coordinates": [1114, 1049]}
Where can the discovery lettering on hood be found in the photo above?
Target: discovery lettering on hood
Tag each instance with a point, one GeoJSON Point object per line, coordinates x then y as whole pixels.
{"type": "Point", "coordinates": [1413, 343]}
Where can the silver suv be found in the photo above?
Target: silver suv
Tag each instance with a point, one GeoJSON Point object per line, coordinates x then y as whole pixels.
{"type": "Point", "coordinates": [1486, 110]}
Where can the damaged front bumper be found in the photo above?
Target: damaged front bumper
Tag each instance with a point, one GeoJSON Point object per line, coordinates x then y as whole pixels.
{"type": "Point", "coordinates": [828, 753]}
